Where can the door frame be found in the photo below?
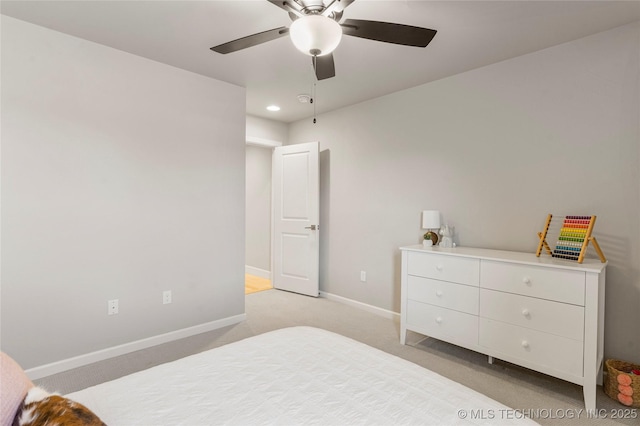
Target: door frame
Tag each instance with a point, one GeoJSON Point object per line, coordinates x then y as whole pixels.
{"type": "Point", "coordinates": [267, 144]}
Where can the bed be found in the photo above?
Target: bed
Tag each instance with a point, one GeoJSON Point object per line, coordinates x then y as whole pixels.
{"type": "Point", "coordinates": [291, 376]}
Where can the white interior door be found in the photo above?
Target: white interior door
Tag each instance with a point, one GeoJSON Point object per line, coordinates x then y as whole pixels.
{"type": "Point", "coordinates": [296, 239]}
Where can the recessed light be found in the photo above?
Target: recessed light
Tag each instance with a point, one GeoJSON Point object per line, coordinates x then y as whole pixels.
{"type": "Point", "coordinates": [273, 108]}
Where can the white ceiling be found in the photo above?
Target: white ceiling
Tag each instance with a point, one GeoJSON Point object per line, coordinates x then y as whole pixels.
{"type": "Point", "coordinates": [471, 34]}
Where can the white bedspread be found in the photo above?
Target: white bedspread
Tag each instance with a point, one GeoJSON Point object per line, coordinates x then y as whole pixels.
{"type": "Point", "coordinates": [292, 376]}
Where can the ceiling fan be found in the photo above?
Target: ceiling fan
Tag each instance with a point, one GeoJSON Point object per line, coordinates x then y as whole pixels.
{"type": "Point", "coordinates": [316, 31]}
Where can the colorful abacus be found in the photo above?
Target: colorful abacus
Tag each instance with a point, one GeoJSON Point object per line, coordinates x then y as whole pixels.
{"type": "Point", "coordinates": [573, 240]}
{"type": "Point", "coordinates": [572, 237]}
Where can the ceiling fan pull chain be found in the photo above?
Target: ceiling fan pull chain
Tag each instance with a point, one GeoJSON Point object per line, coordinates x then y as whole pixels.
{"type": "Point", "coordinates": [313, 102]}
{"type": "Point", "coordinates": [313, 90]}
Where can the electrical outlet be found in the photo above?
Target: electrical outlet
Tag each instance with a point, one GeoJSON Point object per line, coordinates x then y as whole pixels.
{"type": "Point", "coordinates": [166, 297]}
{"type": "Point", "coordinates": [112, 307]}
{"type": "Point", "coordinates": [363, 276]}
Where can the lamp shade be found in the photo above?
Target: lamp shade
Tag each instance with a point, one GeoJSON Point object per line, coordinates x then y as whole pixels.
{"type": "Point", "coordinates": [430, 219]}
{"type": "Point", "coordinates": [315, 35]}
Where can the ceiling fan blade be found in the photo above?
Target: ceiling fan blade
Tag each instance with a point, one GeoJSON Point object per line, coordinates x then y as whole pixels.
{"type": "Point", "coordinates": [387, 32]}
{"type": "Point", "coordinates": [324, 66]}
{"type": "Point", "coordinates": [289, 6]}
{"type": "Point", "coordinates": [252, 40]}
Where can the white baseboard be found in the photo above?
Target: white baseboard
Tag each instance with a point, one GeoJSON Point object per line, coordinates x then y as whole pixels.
{"type": "Point", "coordinates": [369, 308]}
{"type": "Point", "coordinates": [79, 361]}
{"type": "Point", "coordinates": [257, 272]}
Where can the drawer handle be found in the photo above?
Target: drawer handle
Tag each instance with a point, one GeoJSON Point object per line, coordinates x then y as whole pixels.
{"type": "Point", "coordinates": [439, 320]}
{"type": "Point", "coordinates": [439, 267]}
{"type": "Point", "coordinates": [439, 293]}
{"type": "Point", "coordinates": [526, 312]}
{"type": "Point", "coordinates": [526, 280]}
{"type": "Point", "coordinates": [525, 344]}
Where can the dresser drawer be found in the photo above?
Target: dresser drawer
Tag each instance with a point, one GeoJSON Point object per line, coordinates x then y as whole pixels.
{"type": "Point", "coordinates": [562, 319]}
{"type": "Point", "coordinates": [459, 297]}
{"type": "Point", "coordinates": [542, 282]}
{"type": "Point", "coordinates": [442, 323]}
{"type": "Point", "coordinates": [543, 349]}
{"type": "Point", "coordinates": [461, 270]}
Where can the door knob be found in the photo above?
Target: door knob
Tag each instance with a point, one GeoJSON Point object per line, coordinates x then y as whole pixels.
{"type": "Point", "coordinates": [312, 227]}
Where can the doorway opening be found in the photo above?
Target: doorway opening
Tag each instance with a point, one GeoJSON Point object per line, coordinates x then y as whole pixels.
{"type": "Point", "coordinates": [282, 182]}
{"type": "Point", "coordinates": [258, 218]}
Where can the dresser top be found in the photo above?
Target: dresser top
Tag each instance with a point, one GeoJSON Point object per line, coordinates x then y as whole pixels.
{"type": "Point", "coordinates": [588, 265]}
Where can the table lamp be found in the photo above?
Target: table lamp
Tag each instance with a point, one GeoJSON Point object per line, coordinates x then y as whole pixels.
{"type": "Point", "coordinates": [431, 220]}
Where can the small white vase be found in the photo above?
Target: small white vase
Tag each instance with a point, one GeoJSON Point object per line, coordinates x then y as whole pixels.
{"type": "Point", "coordinates": [427, 243]}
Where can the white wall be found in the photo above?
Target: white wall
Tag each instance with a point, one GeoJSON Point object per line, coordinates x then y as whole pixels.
{"type": "Point", "coordinates": [269, 132]}
{"type": "Point", "coordinates": [495, 150]}
{"type": "Point", "coordinates": [121, 178]}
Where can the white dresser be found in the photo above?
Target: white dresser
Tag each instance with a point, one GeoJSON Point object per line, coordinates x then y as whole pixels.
{"type": "Point", "coordinates": [538, 312]}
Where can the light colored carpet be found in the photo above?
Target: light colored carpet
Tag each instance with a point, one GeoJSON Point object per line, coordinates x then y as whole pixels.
{"type": "Point", "coordinates": [253, 284]}
{"type": "Point", "coordinates": [553, 401]}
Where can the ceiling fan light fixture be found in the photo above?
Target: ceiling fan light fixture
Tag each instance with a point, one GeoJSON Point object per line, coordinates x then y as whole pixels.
{"type": "Point", "coordinates": [315, 35]}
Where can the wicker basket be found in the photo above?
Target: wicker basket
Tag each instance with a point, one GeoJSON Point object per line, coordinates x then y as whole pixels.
{"type": "Point", "coordinates": [620, 384]}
